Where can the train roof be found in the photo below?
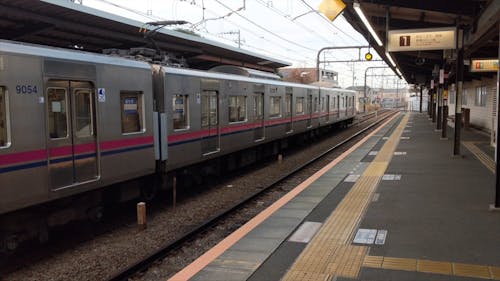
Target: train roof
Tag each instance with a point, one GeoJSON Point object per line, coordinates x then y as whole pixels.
{"type": "Point", "coordinates": [234, 77]}
{"type": "Point", "coordinates": [65, 54]}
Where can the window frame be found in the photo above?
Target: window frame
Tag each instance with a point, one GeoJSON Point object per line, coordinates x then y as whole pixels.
{"type": "Point", "coordinates": [140, 113]}
{"type": "Point", "coordinates": [297, 103]}
{"type": "Point", "coordinates": [187, 119]}
{"type": "Point", "coordinates": [288, 105]}
{"type": "Point", "coordinates": [229, 106]}
{"type": "Point", "coordinates": [66, 113]}
{"type": "Point", "coordinates": [90, 93]}
{"type": "Point", "coordinates": [272, 106]}
{"type": "Point", "coordinates": [6, 115]}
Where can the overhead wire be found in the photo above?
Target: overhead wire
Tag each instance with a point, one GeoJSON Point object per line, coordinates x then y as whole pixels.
{"type": "Point", "coordinates": [257, 36]}
{"type": "Point", "coordinates": [279, 12]}
{"type": "Point", "coordinates": [265, 29]}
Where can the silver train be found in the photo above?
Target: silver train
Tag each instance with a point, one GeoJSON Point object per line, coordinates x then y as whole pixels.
{"type": "Point", "coordinates": [72, 122]}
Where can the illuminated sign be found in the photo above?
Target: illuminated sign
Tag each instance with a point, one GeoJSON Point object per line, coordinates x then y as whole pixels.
{"type": "Point", "coordinates": [422, 39]}
{"type": "Point", "coordinates": [484, 65]}
{"type": "Point", "coordinates": [331, 8]}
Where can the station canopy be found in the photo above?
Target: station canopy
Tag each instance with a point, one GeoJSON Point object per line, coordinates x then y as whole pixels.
{"type": "Point", "coordinates": [478, 18]}
{"type": "Point", "coordinates": [62, 23]}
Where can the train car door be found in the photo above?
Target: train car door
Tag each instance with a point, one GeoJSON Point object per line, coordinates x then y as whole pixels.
{"type": "Point", "coordinates": [327, 107]}
{"type": "Point", "coordinates": [72, 139]}
{"type": "Point", "coordinates": [338, 107]}
{"type": "Point", "coordinates": [258, 115]}
{"type": "Point", "coordinates": [210, 141]}
{"type": "Point", "coordinates": [309, 107]}
{"type": "Point", "coordinates": [289, 110]}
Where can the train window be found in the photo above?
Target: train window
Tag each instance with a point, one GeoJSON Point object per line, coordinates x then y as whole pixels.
{"type": "Point", "coordinates": [288, 105]}
{"type": "Point", "coordinates": [309, 104]}
{"type": "Point", "coordinates": [131, 108]}
{"type": "Point", "coordinates": [84, 113]}
{"type": "Point", "coordinates": [57, 111]}
{"type": "Point", "coordinates": [3, 118]}
{"type": "Point", "coordinates": [315, 104]}
{"type": "Point", "coordinates": [480, 96]}
{"type": "Point", "coordinates": [323, 104]}
{"type": "Point", "coordinates": [299, 105]}
{"type": "Point", "coordinates": [274, 106]}
{"type": "Point", "coordinates": [332, 105]}
{"type": "Point", "coordinates": [237, 108]}
{"type": "Point", "coordinates": [258, 103]}
{"type": "Point", "coordinates": [180, 110]}
{"type": "Point", "coordinates": [209, 109]}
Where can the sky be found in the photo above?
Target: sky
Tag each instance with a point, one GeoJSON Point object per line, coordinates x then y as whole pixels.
{"type": "Point", "coordinates": [288, 30]}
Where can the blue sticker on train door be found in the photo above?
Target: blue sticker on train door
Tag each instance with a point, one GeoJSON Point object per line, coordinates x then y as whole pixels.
{"type": "Point", "coordinates": [101, 94]}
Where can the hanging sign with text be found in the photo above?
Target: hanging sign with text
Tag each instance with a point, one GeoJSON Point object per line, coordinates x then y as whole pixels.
{"type": "Point", "coordinates": [484, 65]}
{"type": "Point", "coordinates": [422, 39]}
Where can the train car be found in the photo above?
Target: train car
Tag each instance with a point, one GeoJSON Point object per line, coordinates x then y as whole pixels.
{"type": "Point", "coordinates": [213, 114]}
{"type": "Point", "coordinates": [70, 122]}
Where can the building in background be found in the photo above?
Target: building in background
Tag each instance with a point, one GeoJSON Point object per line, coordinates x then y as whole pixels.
{"type": "Point", "coordinates": [307, 75]}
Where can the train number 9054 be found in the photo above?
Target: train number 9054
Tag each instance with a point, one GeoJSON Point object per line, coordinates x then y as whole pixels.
{"type": "Point", "coordinates": [26, 89]}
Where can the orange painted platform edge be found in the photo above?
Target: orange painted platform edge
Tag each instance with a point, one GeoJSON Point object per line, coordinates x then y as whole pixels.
{"type": "Point", "coordinates": [209, 256]}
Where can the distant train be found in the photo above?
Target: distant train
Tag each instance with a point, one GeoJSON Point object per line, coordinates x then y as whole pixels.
{"type": "Point", "coordinates": [72, 122]}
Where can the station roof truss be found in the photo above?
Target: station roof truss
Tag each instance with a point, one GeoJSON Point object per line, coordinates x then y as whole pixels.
{"type": "Point", "coordinates": [62, 23]}
{"type": "Point", "coordinates": [478, 18]}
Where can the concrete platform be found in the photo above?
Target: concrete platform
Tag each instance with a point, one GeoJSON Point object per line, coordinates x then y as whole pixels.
{"type": "Point", "coordinates": [403, 180]}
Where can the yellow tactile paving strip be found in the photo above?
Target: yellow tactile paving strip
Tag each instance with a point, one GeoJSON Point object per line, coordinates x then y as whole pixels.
{"type": "Point", "coordinates": [483, 157]}
{"type": "Point", "coordinates": [330, 254]}
{"type": "Point", "coordinates": [435, 267]}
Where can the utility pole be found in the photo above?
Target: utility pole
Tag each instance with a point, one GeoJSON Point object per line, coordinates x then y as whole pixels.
{"type": "Point", "coordinates": [238, 32]}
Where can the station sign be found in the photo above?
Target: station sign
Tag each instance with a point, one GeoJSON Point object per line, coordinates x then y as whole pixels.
{"type": "Point", "coordinates": [484, 65]}
{"type": "Point", "coordinates": [422, 39]}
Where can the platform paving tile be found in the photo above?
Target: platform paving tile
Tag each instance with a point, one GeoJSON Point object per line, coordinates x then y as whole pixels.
{"type": "Point", "coordinates": [248, 258]}
{"type": "Point", "coordinates": [317, 190]}
{"type": "Point", "coordinates": [291, 213]}
{"type": "Point", "coordinates": [275, 227]}
{"type": "Point", "coordinates": [293, 204]}
{"type": "Point", "coordinates": [211, 273]}
{"type": "Point", "coordinates": [257, 244]}
{"type": "Point", "coordinates": [308, 199]}
{"type": "Point", "coordinates": [274, 232]}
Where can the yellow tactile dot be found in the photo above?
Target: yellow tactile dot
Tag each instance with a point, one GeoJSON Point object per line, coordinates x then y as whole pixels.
{"type": "Point", "coordinates": [471, 270]}
{"type": "Point", "coordinates": [495, 272]}
{"type": "Point", "coordinates": [437, 267]}
{"type": "Point", "coordinates": [373, 261]}
{"type": "Point", "coordinates": [399, 264]}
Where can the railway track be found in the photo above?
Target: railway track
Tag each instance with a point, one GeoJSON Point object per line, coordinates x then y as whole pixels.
{"type": "Point", "coordinates": [144, 263]}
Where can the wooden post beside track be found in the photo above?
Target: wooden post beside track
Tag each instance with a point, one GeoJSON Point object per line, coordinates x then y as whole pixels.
{"type": "Point", "coordinates": [141, 215]}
